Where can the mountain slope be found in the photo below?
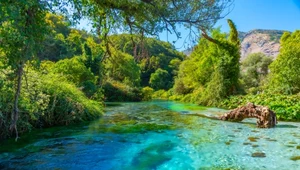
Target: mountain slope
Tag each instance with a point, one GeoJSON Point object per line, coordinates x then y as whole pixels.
{"type": "Point", "coordinates": [255, 41]}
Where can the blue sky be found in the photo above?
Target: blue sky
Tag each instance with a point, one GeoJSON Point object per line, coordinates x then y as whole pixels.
{"type": "Point", "coordinates": [253, 14]}
{"type": "Point", "coordinates": [265, 14]}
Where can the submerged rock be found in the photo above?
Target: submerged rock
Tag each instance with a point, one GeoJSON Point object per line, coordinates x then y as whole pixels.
{"type": "Point", "coordinates": [266, 118]}
{"type": "Point", "coordinates": [229, 142]}
{"type": "Point", "coordinates": [153, 156]}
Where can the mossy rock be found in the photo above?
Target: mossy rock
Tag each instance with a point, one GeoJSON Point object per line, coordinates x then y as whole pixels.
{"type": "Point", "coordinates": [295, 158]}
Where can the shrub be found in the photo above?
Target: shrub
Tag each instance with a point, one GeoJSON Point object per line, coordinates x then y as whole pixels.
{"type": "Point", "coordinates": [147, 93]}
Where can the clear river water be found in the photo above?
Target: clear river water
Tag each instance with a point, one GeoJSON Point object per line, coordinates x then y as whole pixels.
{"type": "Point", "coordinates": [156, 135]}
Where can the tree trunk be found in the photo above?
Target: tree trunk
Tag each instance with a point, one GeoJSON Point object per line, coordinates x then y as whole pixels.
{"type": "Point", "coordinates": [15, 112]}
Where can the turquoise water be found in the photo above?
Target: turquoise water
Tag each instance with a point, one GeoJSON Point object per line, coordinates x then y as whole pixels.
{"type": "Point", "coordinates": [157, 135]}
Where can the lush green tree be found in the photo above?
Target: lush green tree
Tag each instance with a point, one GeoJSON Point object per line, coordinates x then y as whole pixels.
{"type": "Point", "coordinates": [174, 66]}
{"type": "Point", "coordinates": [254, 70]}
{"type": "Point", "coordinates": [54, 46]}
{"type": "Point", "coordinates": [151, 16]}
{"type": "Point", "coordinates": [122, 67]}
{"type": "Point", "coordinates": [224, 80]}
{"type": "Point", "coordinates": [211, 72]}
{"type": "Point", "coordinates": [63, 41]}
{"type": "Point", "coordinates": [285, 70]}
{"type": "Point", "coordinates": [74, 41]}
{"type": "Point", "coordinates": [92, 58]}
{"type": "Point", "coordinates": [196, 70]}
{"type": "Point", "coordinates": [151, 54]}
{"type": "Point", "coordinates": [159, 79]}
{"type": "Point", "coordinates": [73, 70]}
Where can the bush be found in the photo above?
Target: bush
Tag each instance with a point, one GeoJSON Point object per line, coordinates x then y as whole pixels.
{"type": "Point", "coordinates": [147, 93]}
{"type": "Point", "coordinates": [73, 70]}
{"type": "Point", "coordinates": [117, 91]}
{"type": "Point", "coordinates": [180, 88]}
{"type": "Point", "coordinates": [46, 100]}
{"type": "Point", "coordinates": [67, 103]}
{"type": "Point", "coordinates": [161, 94]}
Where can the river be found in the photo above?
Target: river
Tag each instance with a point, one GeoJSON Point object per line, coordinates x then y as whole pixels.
{"type": "Point", "coordinates": [156, 135]}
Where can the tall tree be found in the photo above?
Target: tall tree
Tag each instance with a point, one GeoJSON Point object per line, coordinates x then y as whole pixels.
{"type": "Point", "coordinates": [22, 28]}
{"type": "Point", "coordinates": [150, 17]}
{"type": "Point", "coordinates": [285, 69]}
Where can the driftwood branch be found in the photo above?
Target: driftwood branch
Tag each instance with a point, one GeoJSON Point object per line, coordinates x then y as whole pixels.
{"type": "Point", "coordinates": [209, 38]}
{"type": "Point", "coordinates": [266, 118]}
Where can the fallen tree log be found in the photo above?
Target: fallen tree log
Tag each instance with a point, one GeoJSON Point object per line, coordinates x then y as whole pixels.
{"type": "Point", "coordinates": [266, 118]}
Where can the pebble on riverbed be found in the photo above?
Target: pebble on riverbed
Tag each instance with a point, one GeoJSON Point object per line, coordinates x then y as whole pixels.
{"type": "Point", "coordinates": [258, 154]}
{"type": "Point", "coordinates": [253, 139]}
{"type": "Point", "coordinates": [271, 140]}
{"type": "Point", "coordinates": [246, 143]}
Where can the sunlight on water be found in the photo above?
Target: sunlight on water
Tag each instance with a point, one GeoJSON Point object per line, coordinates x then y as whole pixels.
{"type": "Point", "coordinates": [157, 135]}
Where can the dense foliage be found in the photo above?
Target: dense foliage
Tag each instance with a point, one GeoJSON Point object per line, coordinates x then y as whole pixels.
{"type": "Point", "coordinates": [74, 75]}
{"type": "Point", "coordinates": [151, 55]}
{"type": "Point", "coordinates": [280, 90]}
{"type": "Point", "coordinates": [211, 76]}
{"type": "Point", "coordinates": [47, 99]}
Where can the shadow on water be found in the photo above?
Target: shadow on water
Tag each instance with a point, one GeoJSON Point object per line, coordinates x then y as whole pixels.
{"type": "Point", "coordinates": [111, 104]}
{"type": "Point", "coordinates": [286, 126]}
{"type": "Point", "coordinates": [204, 116]}
{"type": "Point", "coordinates": [277, 126]}
{"type": "Point", "coordinates": [152, 156]}
{"type": "Point", "coordinates": [62, 132]}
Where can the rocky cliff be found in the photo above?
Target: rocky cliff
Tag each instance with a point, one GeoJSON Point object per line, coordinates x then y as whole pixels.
{"type": "Point", "coordinates": [264, 41]}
